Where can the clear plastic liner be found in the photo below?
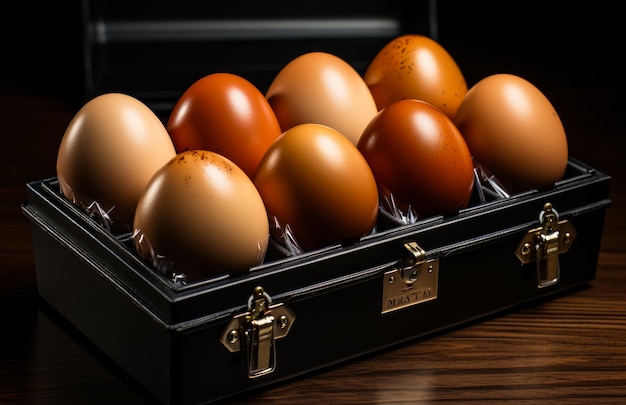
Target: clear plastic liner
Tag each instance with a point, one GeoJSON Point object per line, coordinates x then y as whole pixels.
{"type": "Point", "coordinates": [486, 188]}
{"type": "Point", "coordinates": [160, 263]}
{"type": "Point", "coordinates": [285, 237]}
{"type": "Point", "coordinates": [95, 210]}
{"type": "Point", "coordinates": [283, 240]}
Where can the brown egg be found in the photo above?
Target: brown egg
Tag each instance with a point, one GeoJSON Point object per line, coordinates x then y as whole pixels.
{"type": "Point", "coordinates": [224, 113]}
{"type": "Point", "coordinates": [201, 215]}
{"type": "Point", "coordinates": [109, 151]}
{"type": "Point", "coordinates": [513, 132]}
{"type": "Point", "coordinates": [315, 181]}
{"type": "Point", "coordinates": [418, 155]}
{"type": "Point", "coordinates": [321, 88]}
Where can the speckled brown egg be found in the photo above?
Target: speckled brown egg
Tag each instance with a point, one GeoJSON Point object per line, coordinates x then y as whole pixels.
{"type": "Point", "coordinates": [201, 215]}
{"type": "Point", "coordinates": [414, 66]}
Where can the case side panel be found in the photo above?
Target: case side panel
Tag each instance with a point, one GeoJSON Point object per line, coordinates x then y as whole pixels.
{"type": "Point", "coordinates": [116, 325]}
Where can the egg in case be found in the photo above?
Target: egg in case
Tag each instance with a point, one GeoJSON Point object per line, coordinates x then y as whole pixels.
{"type": "Point", "coordinates": [226, 114]}
{"type": "Point", "coordinates": [200, 215]}
{"type": "Point", "coordinates": [109, 151]}
{"type": "Point", "coordinates": [317, 187]}
{"type": "Point", "coordinates": [513, 132]}
{"type": "Point", "coordinates": [414, 66]}
{"type": "Point", "coordinates": [420, 160]}
{"type": "Point", "coordinates": [321, 88]}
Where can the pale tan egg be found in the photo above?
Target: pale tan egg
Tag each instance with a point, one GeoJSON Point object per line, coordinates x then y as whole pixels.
{"type": "Point", "coordinates": [109, 151]}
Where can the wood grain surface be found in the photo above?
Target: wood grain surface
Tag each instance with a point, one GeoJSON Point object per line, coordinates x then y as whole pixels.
{"type": "Point", "coordinates": [568, 349]}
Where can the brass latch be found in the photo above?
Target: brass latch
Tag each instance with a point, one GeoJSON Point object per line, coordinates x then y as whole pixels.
{"type": "Point", "coordinates": [256, 330]}
{"type": "Point", "coordinates": [414, 281]}
{"type": "Point", "coordinates": [543, 245]}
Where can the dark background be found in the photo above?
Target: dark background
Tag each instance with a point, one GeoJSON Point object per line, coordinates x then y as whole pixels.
{"type": "Point", "coordinates": [554, 44]}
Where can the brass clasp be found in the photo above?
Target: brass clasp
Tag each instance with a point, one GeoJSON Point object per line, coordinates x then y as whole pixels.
{"type": "Point", "coordinates": [256, 330]}
{"type": "Point", "coordinates": [544, 244]}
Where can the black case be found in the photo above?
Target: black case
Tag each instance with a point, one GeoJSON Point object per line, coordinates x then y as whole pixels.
{"type": "Point", "coordinates": [291, 315]}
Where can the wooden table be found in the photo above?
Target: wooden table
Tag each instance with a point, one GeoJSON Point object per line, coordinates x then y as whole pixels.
{"type": "Point", "coordinates": [571, 348]}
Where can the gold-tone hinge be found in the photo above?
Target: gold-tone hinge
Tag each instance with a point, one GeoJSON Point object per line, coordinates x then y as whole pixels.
{"type": "Point", "coordinates": [543, 245]}
{"type": "Point", "coordinates": [256, 330]}
{"type": "Point", "coordinates": [414, 281]}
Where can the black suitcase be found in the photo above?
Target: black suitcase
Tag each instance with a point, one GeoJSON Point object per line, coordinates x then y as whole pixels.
{"type": "Point", "coordinates": [215, 338]}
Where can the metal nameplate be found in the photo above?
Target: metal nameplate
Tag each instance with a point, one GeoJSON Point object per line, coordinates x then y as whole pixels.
{"type": "Point", "coordinates": [399, 293]}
